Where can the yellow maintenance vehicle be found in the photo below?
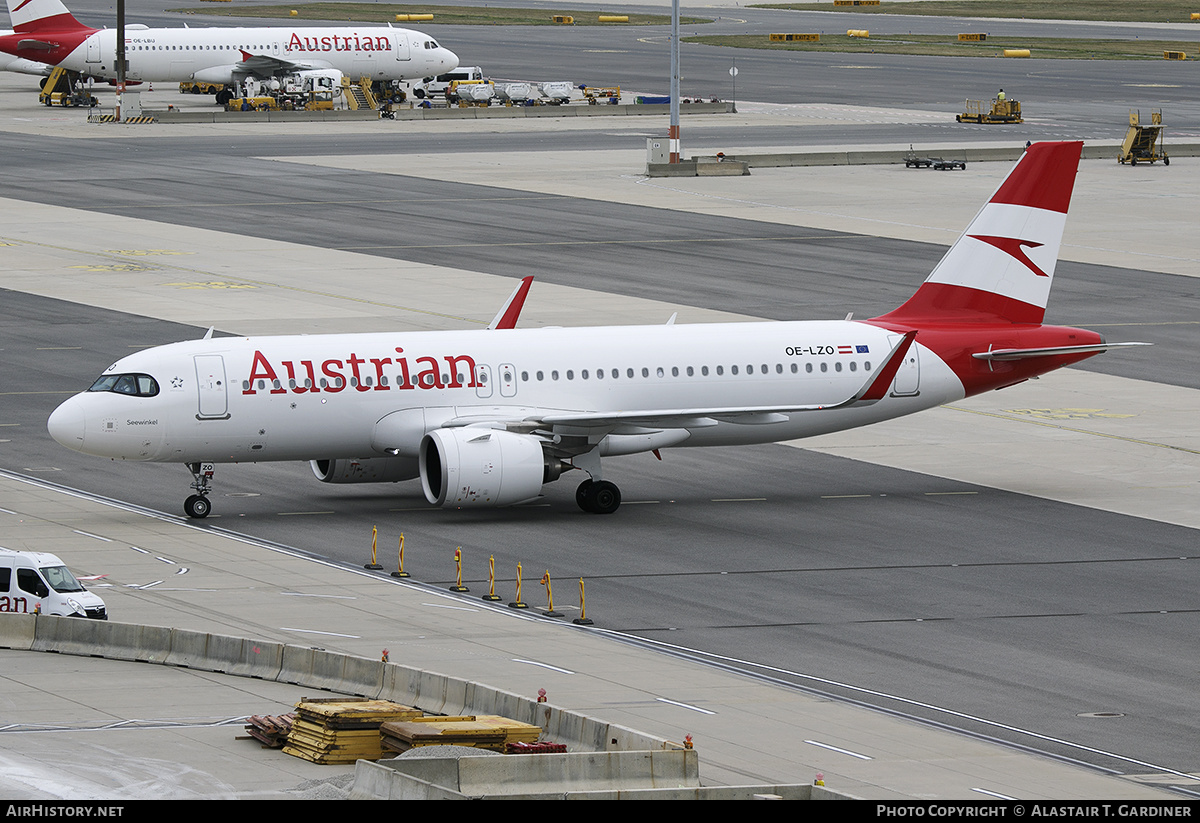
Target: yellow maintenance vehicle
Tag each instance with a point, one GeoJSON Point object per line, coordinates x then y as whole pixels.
{"type": "Point", "coordinates": [63, 88]}
{"type": "Point", "coordinates": [259, 103]}
{"type": "Point", "coordinates": [1143, 143]}
{"type": "Point", "coordinates": [999, 110]}
{"type": "Point", "coordinates": [594, 94]}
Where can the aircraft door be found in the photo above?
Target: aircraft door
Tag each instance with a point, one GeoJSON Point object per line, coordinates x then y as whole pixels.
{"type": "Point", "coordinates": [908, 377]}
{"type": "Point", "coordinates": [483, 379]}
{"type": "Point", "coordinates": [402, 48]}
{"type": "Point", "coordinates": [508, 380]}
{"type": "Point", "coordinates": [93, 49]}
{"type": "Point", "coordinates": [211, 387]}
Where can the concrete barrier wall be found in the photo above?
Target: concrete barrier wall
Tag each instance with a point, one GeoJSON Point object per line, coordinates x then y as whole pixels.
{"type": "Point", "coordinates": [1095, 151]}
{"type": "Point", "coordinates": [17, 631]}
{"type": "Point", "coordinates": [580, 776]}
{"type": "Point", "coordinates": [312, 668]}
{"type": "Point", "coordinates": [218, 115]}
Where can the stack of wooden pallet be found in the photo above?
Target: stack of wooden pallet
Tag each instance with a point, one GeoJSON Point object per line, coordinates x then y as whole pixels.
{"type": "Point", "coordinates": [484, 731]}
{"type": "Point", "coordinates": [342, 730]}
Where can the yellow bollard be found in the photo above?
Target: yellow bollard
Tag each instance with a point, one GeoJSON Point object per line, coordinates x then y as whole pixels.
{"type": "Point", "coordinates": [374, 564]}
{"type": "Point", "coordinates": [401, 572]}
{"type": "Point", "coordinates": [491, 596]}
{"type": "Point", "coordinates": [550, 612]}
{"type": "Point", "coordinates": [458, 587]}
{"type": "Point", "coordinates": [294, 13]}
{"type": "Point", "coordinates": [518, 603]}
{"type": "Point", "coordinates": [583, 619]}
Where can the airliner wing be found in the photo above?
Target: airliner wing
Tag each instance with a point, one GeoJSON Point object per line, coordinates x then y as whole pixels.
{"type": "Point", "coordinates": [517, 418]}
{"type": "Point", "coordinates": [264, 65]}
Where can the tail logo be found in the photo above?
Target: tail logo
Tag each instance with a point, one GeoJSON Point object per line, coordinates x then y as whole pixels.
{"type": "Point", "coordinates": [22, 5]}
{"type": "Point", "coordinates": [1015, 248]}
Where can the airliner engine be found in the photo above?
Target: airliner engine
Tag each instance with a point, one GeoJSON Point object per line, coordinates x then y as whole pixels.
{"type": "Point", "coordinates": [475, 467]}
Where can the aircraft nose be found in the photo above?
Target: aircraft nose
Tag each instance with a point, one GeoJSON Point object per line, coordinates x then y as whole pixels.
{"type": "Point", "coordinates": [67, 423]}
{"type": "Point", "coordinates": [449, 60]}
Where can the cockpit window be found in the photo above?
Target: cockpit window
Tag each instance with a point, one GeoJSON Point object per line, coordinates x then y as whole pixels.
{"type": "Point", "coordinates": [138, 385]}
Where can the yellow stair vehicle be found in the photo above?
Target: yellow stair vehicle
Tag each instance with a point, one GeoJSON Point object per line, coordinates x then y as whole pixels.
{"type": "Point", "coordinates": [998, 111]}
{"type": "Point", "coordinates": [63, 88]}
{"type": "Point", "coordinates": [1143, 143]}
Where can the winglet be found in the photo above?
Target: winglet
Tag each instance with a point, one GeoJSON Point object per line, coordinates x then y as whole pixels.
{"type": "Point", "coordinates": [506, 318]}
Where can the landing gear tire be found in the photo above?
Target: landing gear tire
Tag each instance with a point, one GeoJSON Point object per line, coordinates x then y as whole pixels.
{"type": "Point", "coordinates": [197, 506]}
{"type": "Point", "coordinates": [600, 497]}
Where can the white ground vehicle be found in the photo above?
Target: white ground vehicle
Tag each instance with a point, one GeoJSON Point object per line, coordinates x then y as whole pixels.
{"type": "Point", "coordinates": [435, 87]}
{"type": "Point", "coordinates": [38, 582]}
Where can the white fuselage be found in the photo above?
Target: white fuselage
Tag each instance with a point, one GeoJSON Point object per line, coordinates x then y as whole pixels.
{"type": "Point", "coordinates": [213, 54]}
{"type": "Point", "coordinates": [353, 396]}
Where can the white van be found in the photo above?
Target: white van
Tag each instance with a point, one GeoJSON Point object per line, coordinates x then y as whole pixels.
{"type": "Point", "coordinates": [39, 582]}
{"type": "Point", "coordinates": [435, 87]}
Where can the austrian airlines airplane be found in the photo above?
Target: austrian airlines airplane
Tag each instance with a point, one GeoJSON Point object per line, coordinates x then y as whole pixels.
{"type": "Point", "coordinates": [46, 32]}
{"type": "Point", "coordinates": [486, 417]}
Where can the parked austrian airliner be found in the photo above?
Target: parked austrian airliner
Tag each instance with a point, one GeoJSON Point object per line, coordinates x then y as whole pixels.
{"type": "Point", "coordinates": [46, 32]}
{"type": "Point", "coordinates": [486, 417]}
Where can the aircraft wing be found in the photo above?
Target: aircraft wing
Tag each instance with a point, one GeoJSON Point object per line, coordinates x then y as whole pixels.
{"type": "Point", "coordinates": [264, 65]}
{"type": "Point", "coordinates": [595, 422]}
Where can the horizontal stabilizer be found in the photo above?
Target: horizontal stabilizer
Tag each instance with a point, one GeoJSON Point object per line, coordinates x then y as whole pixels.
{"type": "Point", "coordinates": [1022, 354]}
{"type": "Point", "coordinates": [35, 45]}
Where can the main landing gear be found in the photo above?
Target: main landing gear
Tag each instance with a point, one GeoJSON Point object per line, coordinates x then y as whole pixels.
{"type": "Point", "coordinates": [595, 496]}
{"type": "Point", "coordinates": [198, 505]}
{"type": "Point", "coordinates": [598, 496]}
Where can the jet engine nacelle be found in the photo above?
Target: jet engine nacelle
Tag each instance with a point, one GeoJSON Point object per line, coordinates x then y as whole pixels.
{"type": "Point", "coordinates": [215, 74]}
{"type": "Point", "coordinates": [474, 467]}
{"type": "Point", "coordinates": [370, 470]}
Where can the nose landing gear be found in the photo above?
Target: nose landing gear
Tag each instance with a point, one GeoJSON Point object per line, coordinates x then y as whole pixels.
{"type": "Point", "coordinates": [197, 505]}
